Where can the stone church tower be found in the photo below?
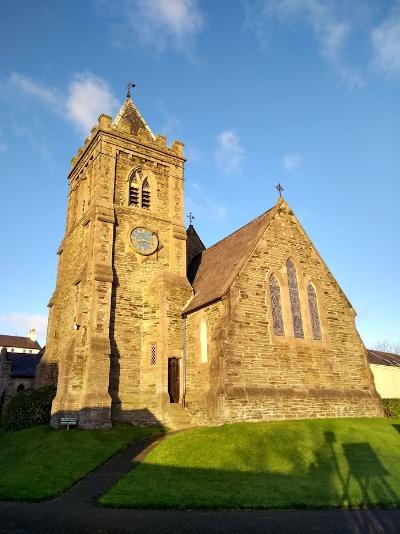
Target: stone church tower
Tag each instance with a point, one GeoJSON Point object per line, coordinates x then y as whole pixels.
{"type": "Point", "coordinates": [149, 326]}
{"type": "Point", "coordinates": [115, 315]}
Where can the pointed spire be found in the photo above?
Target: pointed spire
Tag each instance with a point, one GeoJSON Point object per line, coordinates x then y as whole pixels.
{"type": "Point", "coordinates": [130, 114]}
{"type": "Point", "coordinates": [194, 245]}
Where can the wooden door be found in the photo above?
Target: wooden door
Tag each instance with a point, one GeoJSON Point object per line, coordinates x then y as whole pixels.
{"type": "Point", "coordinates": [173, 379]}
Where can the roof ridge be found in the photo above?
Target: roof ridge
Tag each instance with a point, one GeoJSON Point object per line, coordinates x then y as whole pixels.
{"type": "Point", "coordinates": [238, 230]}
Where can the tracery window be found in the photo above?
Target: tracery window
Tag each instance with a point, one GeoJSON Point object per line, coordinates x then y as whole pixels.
{"type": "Point", "coordinates": [314, 315]}
{"type": "Point", "coordinates": [294, 299]}
{"type": "Point", "coordinates": [139, 190]}
{"type": "Point", "coordinates": [275, 294]}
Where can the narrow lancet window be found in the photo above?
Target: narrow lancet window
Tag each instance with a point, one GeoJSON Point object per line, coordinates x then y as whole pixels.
{"type": "Point", "coordinates": [294, 299]}
{"type": "Point", "coordinates": [314, 315]}
{"type": "Point", "coordinates": [134, 191]}
{"type": "Point", "coordinates": [277, 318]}
{"type": "Point", "coordinates": [203, 341]}
{"type": "Point", "coordinates": [146, 194]}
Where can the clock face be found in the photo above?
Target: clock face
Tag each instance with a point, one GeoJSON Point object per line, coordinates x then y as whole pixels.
{"type": "Point", "coordinates": [144, 240]}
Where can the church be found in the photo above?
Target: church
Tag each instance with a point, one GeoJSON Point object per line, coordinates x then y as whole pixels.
{"type": "Point", "coordinates": [147, 325]}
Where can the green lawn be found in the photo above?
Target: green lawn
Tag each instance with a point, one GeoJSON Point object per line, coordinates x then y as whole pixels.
{"type": "Point", "coordinates": [38, 463]}
{"type": "Point", "coordinates": [291, 464]}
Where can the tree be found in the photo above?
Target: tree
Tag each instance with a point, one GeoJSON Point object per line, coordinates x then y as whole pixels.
{"type": "Point", "coordinates": [387, 346]}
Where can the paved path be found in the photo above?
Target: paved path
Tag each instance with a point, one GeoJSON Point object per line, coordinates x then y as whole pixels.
{"type": "Point", "coordinates": [76, 512]}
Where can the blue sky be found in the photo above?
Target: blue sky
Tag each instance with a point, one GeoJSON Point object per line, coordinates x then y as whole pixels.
{"type": "Point", "coordinates": [304, 92]}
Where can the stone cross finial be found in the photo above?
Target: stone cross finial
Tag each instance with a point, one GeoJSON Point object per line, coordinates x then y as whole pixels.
{"type": "Point", "coordinates": [190, 216]}
{"type": "Point", "coordinates": [130, 86]}
{"type": "Point", "coordinates": [280, 189]}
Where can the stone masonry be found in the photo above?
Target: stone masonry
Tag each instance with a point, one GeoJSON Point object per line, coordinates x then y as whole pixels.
{"type": "Point", "coordinates": [120, 317]}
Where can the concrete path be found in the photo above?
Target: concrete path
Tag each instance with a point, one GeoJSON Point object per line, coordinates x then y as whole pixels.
{"type": "Point", "coordinates": [76, 512]}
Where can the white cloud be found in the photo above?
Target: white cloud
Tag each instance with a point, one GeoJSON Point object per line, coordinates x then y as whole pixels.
{"type": "Point", "coordinates": [20, 323]}
{"type": "Point", "coordinates": [330, 32]}
{"type": "Point", "coordinates": [87, 97]}
{"type": "Point", "coordinates": [34, 140]}
{"type": "Point", "coordinates": [291, 161]}
{"type": "Point", "coordinates": [157, 24]}
{"type": "Point", "coordinates": [201, 204]}
{"type": "Point", "coordinates": [386, 44]}
{"type": "Point", "coordinates": [229, 154]}
{"type": "Point", "coordinates": [28, 87]}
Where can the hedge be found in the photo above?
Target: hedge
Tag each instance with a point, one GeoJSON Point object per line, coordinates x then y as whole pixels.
{"type": "Point", "coordinates": [391, 407]}
{"type": "Point", "coordinates": [29, 408]}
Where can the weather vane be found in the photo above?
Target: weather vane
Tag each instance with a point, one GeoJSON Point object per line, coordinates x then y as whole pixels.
{"type": "Point", "coordinates": [280, 189]}
{"type": "Point", "coordinates": [190, 217]}
{"type": "Point", "coordinates": [130, 86]}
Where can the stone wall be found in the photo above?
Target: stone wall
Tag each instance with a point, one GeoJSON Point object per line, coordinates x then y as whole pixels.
{"type": "Point", "coordinates": [272, 377]}
{"type": "Point", "coordinates": [111, 303]}
{"type": "Point", "coordinates": [205, 381]}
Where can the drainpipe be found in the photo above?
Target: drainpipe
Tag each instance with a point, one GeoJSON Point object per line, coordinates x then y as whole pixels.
{"type": "Point", "coordinates": [184, 362]}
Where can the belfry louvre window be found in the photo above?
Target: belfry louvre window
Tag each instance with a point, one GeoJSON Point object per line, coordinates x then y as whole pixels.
{"type": "Point", "coordinates": [139, 190]}
{"type": "Point", "coordinates": [153, 355]}
{"type": "Point", "coordinates": [294, 299]}
{"type": "Point", "coordinates": [275, 294]}
{"type": "Point", "coordinates": [314, 315]}
{"type": "Point", "coordinates": [134, 191]}
{"type": "Point", "coordinates": [146, 194]}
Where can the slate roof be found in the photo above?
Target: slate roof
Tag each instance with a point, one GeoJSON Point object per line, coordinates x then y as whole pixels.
{"type": "Point", "coordinates": [214, 270]}
{"type": "Point", "coordinates": [18, 341]}
{"type": "Point", "coordinates": [130, 113]}
{"type": "Point", "coordinates": [194, 245]}
{"type": "Point", "coordinates": [379, 357]}
{"type": "Point", "coordinates": [23, 365]}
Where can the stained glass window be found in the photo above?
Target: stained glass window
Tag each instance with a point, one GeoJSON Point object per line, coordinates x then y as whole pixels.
{"type": "Point", "coordinates": [294, 299]}
{"type": "Point", "coordinates": [314, 315]}
{"type": "Point", "coordinates": [275, 293]}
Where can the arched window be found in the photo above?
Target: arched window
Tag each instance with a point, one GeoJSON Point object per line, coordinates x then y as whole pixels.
{"type": "Point", "coordinates": [134, 190]}
{"type": "Point", "coordinates": [275, 294]}
{"type": "Point", "coordinates": [139, 190]}
{"type": "Point", "coordinates": [203, 341]}
{"type": "Point", "coordinates": [314, 315]}
{"type": "Point", "coordinates": [294, 299]}
{"type": "Point", "coordinates": [146, 194]}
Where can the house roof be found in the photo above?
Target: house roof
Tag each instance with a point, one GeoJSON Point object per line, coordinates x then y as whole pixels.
{"type": "Point", "coordinates": [18, 341]}
{"type": "Point", "coordinates": [379, 357]}
{"type": "Point", "coordinates": [23, 365]}
{"type": "Point", "coordinates": [214, 270]}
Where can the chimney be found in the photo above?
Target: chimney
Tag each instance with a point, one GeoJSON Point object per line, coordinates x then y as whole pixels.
{"type": "Point", "coordinates": [32, 334]}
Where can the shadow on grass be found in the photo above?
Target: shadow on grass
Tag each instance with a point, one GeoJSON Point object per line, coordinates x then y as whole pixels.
{"type": "Point", "coordinates": [341, 475]}
{"type": "Point", "coordinates": [397, 427]}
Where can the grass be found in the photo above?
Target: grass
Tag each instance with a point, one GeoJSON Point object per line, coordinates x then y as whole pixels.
{"type": "Point", "coordinates": [293, 464]}
{"type": "Point", "coordinates": [39, 462]}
